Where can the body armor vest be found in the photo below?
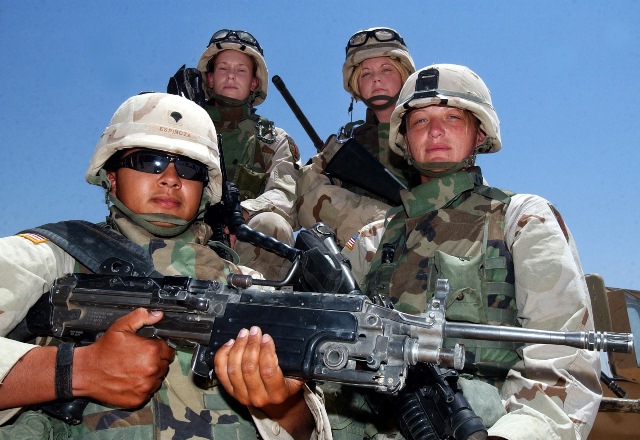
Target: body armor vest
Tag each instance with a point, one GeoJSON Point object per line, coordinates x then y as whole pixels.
{"type": "Point", "coordinates": [453, 228]}
{"type": "Point", "coordinates": [243, 132]}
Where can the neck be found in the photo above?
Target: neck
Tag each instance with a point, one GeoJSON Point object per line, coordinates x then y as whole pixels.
{"type": "Point", "coordinates": [384, 114]}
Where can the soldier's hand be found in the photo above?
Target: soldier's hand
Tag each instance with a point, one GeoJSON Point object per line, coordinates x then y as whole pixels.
{"type": "Point", "coordinates": [248, 369]}
{"type": "Point", "coordinates": [122, 368]}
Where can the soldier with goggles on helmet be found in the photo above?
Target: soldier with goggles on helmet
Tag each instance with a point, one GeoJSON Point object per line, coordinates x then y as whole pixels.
{"type": "Point", "coordinates": [376, 65]}
{"type": "Point", "coordinates": [509, 258]}
{"type": "Point", "coordinates": [260, 158]}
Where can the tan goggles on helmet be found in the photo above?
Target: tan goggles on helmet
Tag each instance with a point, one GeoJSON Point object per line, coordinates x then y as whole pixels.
{"type": "Point", "coordinates": [228, 36]}
{"type": "Point", "coordinates": [381, 34]}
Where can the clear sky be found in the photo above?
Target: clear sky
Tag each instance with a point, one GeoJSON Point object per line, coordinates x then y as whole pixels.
{"type": "Point", "coordinates": [563, 77]}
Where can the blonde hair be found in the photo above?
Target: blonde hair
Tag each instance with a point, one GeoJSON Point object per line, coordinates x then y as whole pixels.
{"type": "Point", "coordinates": [353, 82]}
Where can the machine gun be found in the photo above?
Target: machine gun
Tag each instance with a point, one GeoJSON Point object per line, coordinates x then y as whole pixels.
{"type": "Point", "coordinates": [342, 338]}
{"type": "Point", "coordinates": [369, 174]}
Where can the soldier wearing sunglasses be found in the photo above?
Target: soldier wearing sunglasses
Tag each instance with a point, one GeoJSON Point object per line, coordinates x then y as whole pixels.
{"type": "Point", "coordinates": [158, 164]}
{"type": "Point", "coordinates": [261, 159]}
{"type": "Point", "coordinates": [377, 63]}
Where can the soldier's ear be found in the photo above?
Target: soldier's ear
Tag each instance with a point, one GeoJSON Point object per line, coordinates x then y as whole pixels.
{"type": "Point", "coordinates": [112, 179]}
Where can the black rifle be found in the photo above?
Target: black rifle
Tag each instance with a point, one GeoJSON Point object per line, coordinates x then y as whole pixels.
{"type": "Point", "coordinates": [355, 165]}
{"type": "Point", "coordinates": [342, 338]}
{"type": "Point", "coordinates": [352, 163]}
{"type": "Point", "coordinates": [297, 111]}
{"type": "Point", "coordinates": [187, 83]}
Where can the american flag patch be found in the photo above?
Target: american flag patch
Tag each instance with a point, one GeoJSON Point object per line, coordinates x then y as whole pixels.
{"type": "Point", "coordinates": [34, 238]}
{"type": "Point", "coordinates": [352, 241]}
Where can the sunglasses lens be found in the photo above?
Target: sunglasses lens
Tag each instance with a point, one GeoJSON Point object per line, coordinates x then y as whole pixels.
{"type": "Point", "coordinates": [153, 163]}
{"type": "Point", "coordinates": [191, 170]}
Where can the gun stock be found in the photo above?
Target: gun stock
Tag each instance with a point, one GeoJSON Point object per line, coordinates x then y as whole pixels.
{"type": "Point", "coordinates": [355, 165]}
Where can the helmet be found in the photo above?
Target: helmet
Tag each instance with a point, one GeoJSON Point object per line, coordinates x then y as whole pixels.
{"type": "Point", "coordinates": [452, 85]}
{"type": "Point", "coordinates": [373, 43]}
{"type": "Point", "coordinates": [242, 42]}
{"type": "Point", "coordinates": [163, 122]}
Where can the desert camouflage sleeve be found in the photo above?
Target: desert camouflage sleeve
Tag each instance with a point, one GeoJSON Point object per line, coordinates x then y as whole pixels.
{"type": "Point", "coordinates": [554, 392]}
{"type": "Point", "coordinates": [321, 201]}
{"type": "Point", "coordinates": [361, 248]}
{"type": "Point", "coordinates": [28, 267]}
{"type": "Point", "coordinates": [279, 195]}
{"type": "Point", "coordinates": [271, 430]}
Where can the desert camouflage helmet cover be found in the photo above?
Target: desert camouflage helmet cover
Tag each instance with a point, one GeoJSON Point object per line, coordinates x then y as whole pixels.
{"type": "Point", "coordinates": [372, 48]}
{"type": "Point", "coordinates": [233, 42]}
{"type": "Point", "coordinates": [165, 122]}
{"type": "Point", "coordinates": [452, 85]}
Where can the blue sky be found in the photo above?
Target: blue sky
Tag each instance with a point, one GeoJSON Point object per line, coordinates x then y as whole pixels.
{"type": "Point", "coordinates": [563, 77]}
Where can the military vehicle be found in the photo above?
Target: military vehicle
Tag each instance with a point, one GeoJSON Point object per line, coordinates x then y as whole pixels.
{"type": "Point", "coordinates": [617, 310]}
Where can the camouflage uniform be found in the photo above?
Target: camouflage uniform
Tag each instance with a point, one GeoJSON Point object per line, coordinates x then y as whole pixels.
{"type": "Point", "coordinates": [30, 264]}
{"type": "Point", "coordinates": [343, 207]}
{"type": "Point", "coordinates": [261, 159]}
{"type": "Point", "coordinates": [180, 409]}
{"type": "Point", "coordinates": [510, 260]}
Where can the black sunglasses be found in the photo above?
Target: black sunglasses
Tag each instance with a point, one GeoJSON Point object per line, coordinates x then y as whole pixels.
{"type": "Point", "coordinates": [226, 35]}
{"type": "Point", "coordinates": [380, 34]}
{"type": "Point", "coordinates": [154, 162]}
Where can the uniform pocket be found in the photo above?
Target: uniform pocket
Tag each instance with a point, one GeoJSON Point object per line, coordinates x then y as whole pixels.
{"type": "Point", "coordinates": [465, 301]}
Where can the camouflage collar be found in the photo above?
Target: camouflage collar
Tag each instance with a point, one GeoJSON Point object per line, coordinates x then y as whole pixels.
{"type": "Point", "coordinates": [439, 193]}
{"type": "Point", "coordinates": [221, 113]}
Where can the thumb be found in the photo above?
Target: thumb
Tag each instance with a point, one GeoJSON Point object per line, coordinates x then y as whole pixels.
{"type": "Point", "coordinates": [135, 320]}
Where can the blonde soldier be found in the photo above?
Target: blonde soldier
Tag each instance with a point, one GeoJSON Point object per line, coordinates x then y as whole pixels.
{"type": "Point", "coordinates": [377, 64]}
{"type": "Point", "coordinates": [261, 159]}
{"type": "Point", "coordinates": [159, 165]}
{"type": "Point", "coordinates": [509, 258]}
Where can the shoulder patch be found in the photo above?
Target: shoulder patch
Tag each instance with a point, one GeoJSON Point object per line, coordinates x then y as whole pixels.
{"type": "Point", "coordinates": [352, 241]}
{"type": "Point", "coordinates": [294, 149]}
{"type": "Point", "coordinates": [34, 238]}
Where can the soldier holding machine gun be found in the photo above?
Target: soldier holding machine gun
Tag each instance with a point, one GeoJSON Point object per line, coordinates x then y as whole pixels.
{"type": "Point", "coordinates": [509, 258]}
{"type": "Point", "coordinates": [158, 163]}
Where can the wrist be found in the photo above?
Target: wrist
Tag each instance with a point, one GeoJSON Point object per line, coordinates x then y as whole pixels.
{"type": "Point", "coordinates": [64, 371]}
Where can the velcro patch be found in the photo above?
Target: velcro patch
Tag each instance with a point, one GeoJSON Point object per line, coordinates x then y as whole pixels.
{"type": "Point", "coordinates": [34, 238]}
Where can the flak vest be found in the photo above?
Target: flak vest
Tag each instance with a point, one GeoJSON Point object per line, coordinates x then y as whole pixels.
{"type": "Point", "coordinates": [452, 228]}
{"type": "Point", "coordinates": [243, 132]}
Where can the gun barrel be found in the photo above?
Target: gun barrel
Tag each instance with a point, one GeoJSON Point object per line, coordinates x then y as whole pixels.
{"type": "Point", "coordinates": [589, 340]}
{"type": "Point", "coordinates": [297, 111]}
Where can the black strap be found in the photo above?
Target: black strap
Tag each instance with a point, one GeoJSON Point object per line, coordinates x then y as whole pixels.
{"type": "Point", "coordinates": [64, 369]}
{"type": "Point", "coordinates": [98, 248]}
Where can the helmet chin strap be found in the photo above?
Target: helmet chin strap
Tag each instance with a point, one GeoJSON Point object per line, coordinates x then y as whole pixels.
{"type": "Point", "coordinates": [441, 169]}
{"type": "Point", "coordinates": [388, 101]}
{"type": "Point", "coordinates": [231, 102]}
